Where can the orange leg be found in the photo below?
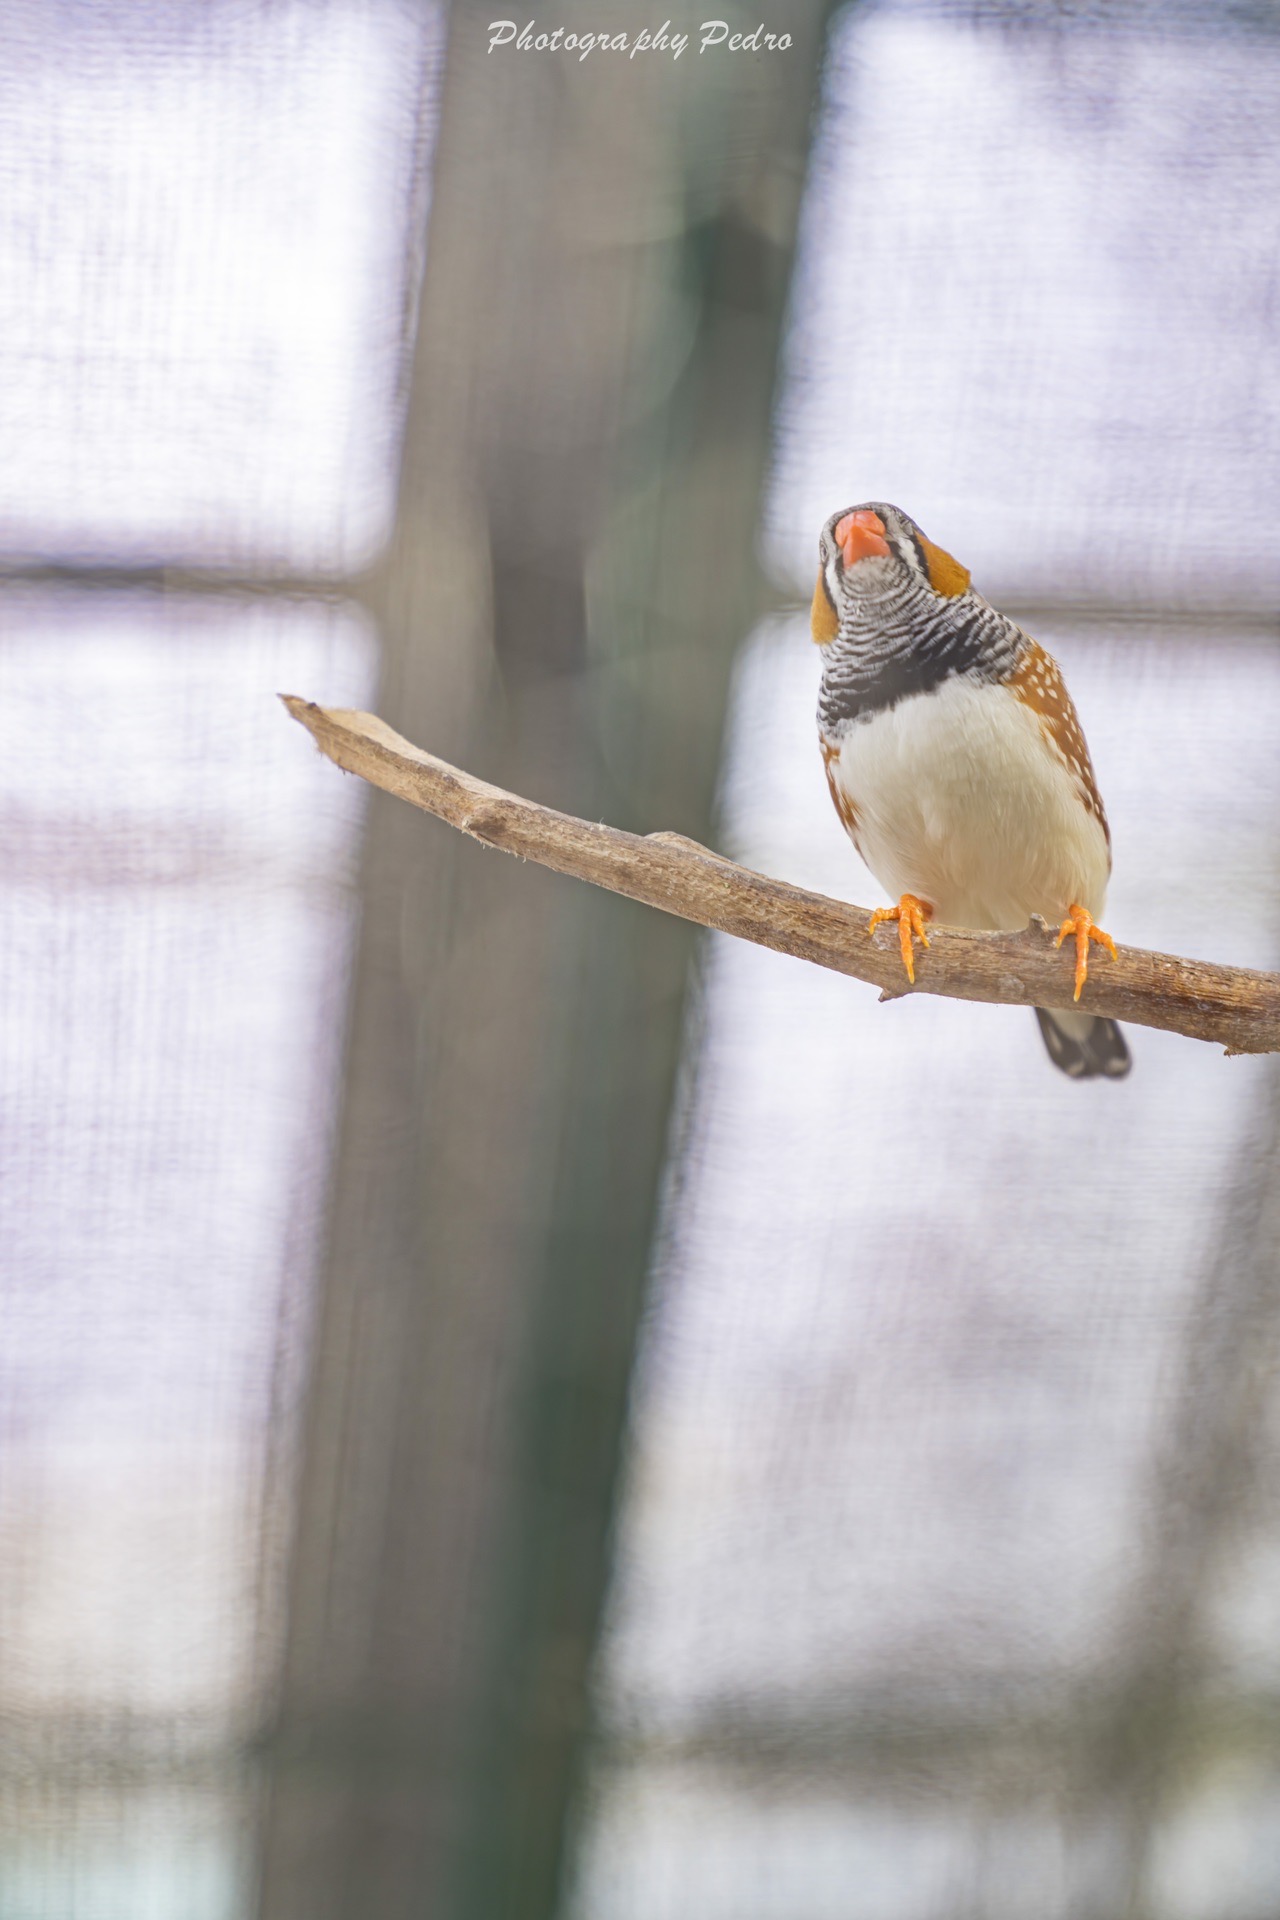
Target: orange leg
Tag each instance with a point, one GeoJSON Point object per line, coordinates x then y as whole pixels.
{"type": "Point", "coordinates": [1079, 922]}
{"type": "Point", "coordinates": [910, 915]}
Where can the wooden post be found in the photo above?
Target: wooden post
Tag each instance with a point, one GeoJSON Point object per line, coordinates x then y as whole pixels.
{"type": "Point", "coordinates": [608, 255]}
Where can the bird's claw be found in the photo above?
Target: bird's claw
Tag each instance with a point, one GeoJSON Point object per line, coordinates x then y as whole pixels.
{"type": "Point", "coordinates": [1080, 922]}
{"type": "Point", "coordinates": [910, 915]}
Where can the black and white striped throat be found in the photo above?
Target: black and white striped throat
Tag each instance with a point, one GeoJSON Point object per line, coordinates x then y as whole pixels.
{"type": "Point", "coordinates": [906, 642]}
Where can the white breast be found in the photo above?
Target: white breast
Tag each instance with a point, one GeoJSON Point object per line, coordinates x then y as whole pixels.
{"type": "Point", "coordinates": [960, 799]}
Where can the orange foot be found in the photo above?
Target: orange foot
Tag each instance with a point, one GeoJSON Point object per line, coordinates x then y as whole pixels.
{"type": "Point", "coordinates": [910, 915]}
{"type": "Point", "coordinates": [1079, 922]}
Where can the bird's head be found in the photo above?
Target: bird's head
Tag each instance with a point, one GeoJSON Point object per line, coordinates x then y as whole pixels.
{"type": "Point", "coordinates": [869, 551]}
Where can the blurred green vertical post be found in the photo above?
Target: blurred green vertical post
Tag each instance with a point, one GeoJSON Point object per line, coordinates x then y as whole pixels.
{"type": "Point", "coordinates": [574, 567]}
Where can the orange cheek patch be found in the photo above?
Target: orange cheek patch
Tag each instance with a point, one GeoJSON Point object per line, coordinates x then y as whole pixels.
{"type": "Point", "coordinates": [823, 619]}
{"type": "Point", "coordinates": [946, 575]}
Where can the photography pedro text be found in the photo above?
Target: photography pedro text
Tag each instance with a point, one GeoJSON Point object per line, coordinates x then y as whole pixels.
{"type": "Point", "coordinates": [712, 33]}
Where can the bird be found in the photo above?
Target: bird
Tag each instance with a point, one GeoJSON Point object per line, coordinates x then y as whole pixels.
{"type": "Point", "coordinates": [956, 761]}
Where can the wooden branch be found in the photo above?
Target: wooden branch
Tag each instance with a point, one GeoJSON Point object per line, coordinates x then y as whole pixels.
{"type": "Point", "coordinates": [1236, 1006]}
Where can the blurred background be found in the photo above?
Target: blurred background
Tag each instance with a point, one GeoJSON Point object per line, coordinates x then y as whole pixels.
{"type": "Point", "coordinates": [511, 1406]}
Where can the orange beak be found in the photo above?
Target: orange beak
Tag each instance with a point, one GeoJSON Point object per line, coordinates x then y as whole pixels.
{"type": "Point", "coordinates": [859, 536]}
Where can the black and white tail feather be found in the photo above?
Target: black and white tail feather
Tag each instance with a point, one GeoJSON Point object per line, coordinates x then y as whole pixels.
{"type": "Point", "coordinates": [1083, 1045]}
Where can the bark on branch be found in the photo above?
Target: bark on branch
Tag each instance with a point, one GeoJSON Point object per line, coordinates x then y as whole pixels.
{"type": "Point", "coordinates": [1235, 1006]}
